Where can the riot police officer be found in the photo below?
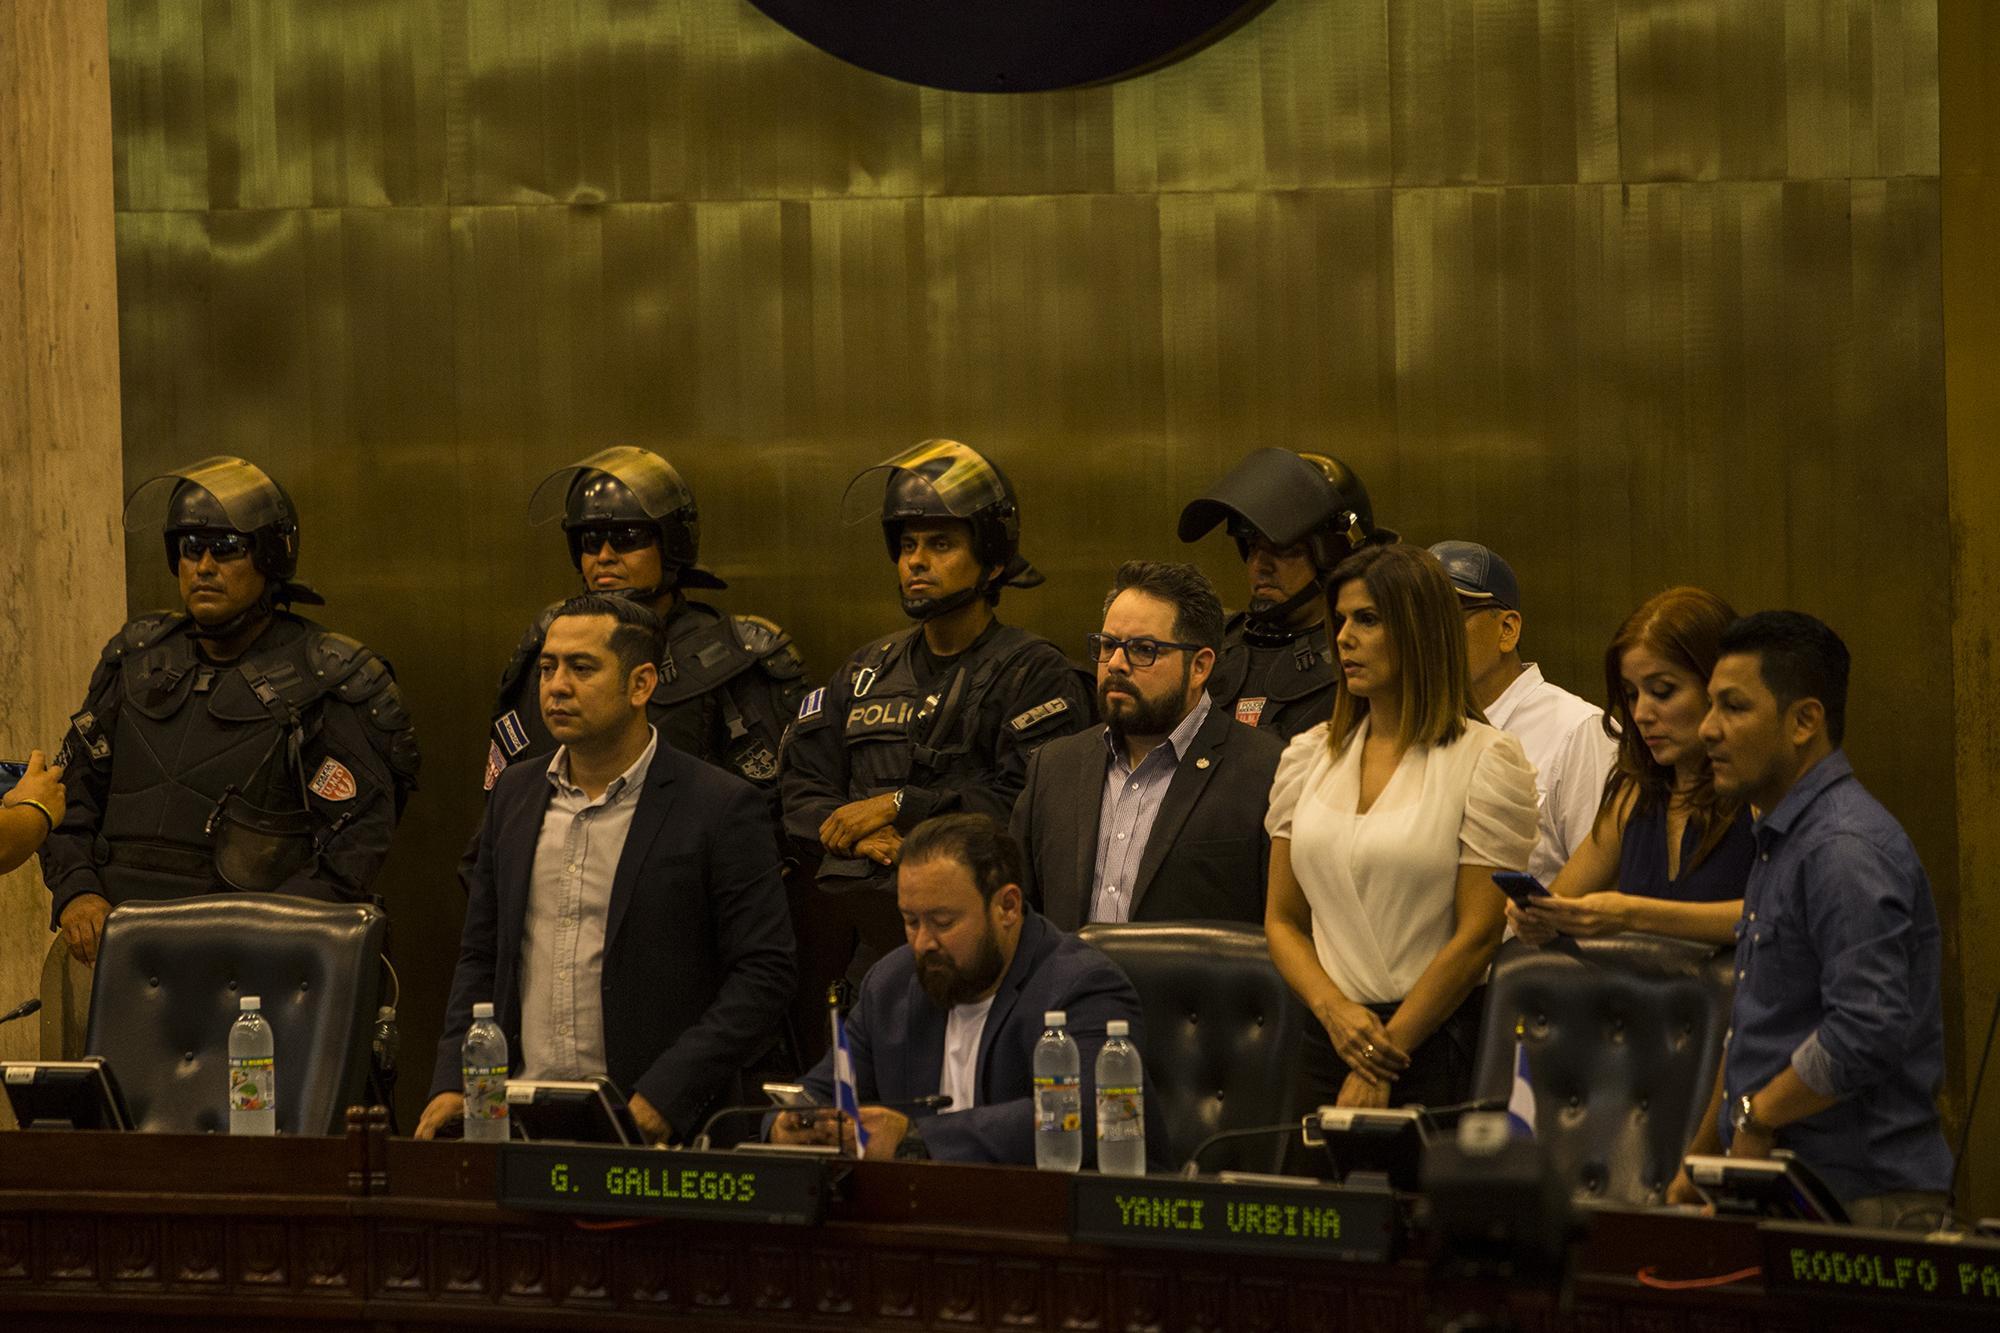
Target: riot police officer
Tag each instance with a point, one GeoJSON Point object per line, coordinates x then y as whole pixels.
{"type": "Point", "coordinates": [937, 717]}
{"type": "Point", "coordinates": [728, 684]}
{"type": "Point", "coordinates": [1294, 516]}
{"type": "Point", "coordinates": [232, 744]}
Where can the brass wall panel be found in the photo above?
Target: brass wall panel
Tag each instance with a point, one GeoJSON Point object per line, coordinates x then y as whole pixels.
{"type": "Point", "coordinates": [1638, 291]}
{"type": "Point", "coordinates": [1970, 135]}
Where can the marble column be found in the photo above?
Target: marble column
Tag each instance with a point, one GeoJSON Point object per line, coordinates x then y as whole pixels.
{"type": "Point", "coordinates": [62, 562]}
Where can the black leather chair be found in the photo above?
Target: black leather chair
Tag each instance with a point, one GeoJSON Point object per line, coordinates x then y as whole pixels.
{"type": "Point", "coordinates": [169, 978]}
{"type": "Point", "coordinates": [1222, 1034]}
{"type": "Point", "coordinates": [1622, 1036]}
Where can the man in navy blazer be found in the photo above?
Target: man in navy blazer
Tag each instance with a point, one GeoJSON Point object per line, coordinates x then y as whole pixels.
{"type": "Point", "coordinates": [625, 915]}
{"type": "Point", "coordinates": [959, 1008]}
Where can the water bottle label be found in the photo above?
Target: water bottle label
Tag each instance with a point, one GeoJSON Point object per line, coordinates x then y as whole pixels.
{"type": "Point", "coordinates": [253, 1083]}
{"type": "Point", "coordinates": [1058, 1105]}
{"type": "Point", "coordinates": [485, 1092]}
{"type": "Point", "coordinates": [1121, 1114]}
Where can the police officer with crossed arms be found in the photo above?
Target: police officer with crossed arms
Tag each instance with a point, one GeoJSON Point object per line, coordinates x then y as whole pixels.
{"type": "Point", "coordinates": [232, 744]}
{"type": "Point", "coordinates": [937, 717]}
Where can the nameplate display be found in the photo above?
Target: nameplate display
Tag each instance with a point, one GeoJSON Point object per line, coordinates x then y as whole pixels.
{"type": "Point", "coordinates": [1853, 1264]}
{"type": "Point", "coordinates": [645, 1182]}
{"type": "Point", "coordinates": [1171, 1212]}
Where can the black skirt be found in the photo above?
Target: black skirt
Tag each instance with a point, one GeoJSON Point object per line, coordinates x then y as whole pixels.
{"type": "Point", "coordinates": [1440, 1072]}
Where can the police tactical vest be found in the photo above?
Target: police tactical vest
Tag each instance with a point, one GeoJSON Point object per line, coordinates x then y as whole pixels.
{"type": "Point", "coordinates": [898, 733]}
{"type": "Point", "coordinates": [1284, 689]}
{"type": "Point", "coordinates": [207, 790]}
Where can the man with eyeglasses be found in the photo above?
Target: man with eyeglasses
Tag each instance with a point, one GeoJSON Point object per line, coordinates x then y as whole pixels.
{"type": "Point", "coordinates": [1563, 733]}
{"type": "Point", "coordinates": [728, 683]}
{"type": "Point", "coordinates": [1157, 814]}
{"type": "Point", "coordinates": [1293, 517]}
{"type": "Point", "coordinates": [232, 744]}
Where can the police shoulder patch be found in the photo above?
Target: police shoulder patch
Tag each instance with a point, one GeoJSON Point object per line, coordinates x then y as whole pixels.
{"type": "Point", "coordinates": [512, 734]}
{"type": "Point", "coordinates": [813, 704]}
{"type": "Point", "coordinates": [1041, 712]}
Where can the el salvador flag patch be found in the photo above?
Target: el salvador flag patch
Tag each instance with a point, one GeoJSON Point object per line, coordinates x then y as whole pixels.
{"type": "Point", "coordinates": [512, 734]}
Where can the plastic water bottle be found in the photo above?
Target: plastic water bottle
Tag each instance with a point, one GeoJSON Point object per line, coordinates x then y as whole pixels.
{"type": "Point", "coordinates": [253, 1071]}
{"type": "Point", "coordinates": [1121, 1104]}
{"type": "Point", "coordinates": [484, 1063]}
{"type": "Point", "coordinates": [1058, 1097]}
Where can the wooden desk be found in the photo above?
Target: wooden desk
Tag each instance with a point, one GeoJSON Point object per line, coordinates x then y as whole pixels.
{"type": "Point", "coordinates": [140, 1232]}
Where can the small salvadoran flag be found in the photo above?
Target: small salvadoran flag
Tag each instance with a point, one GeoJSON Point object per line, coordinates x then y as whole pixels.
{"type": "Point", "coordinates": [844, 1095]}
{"type": "Point", "coordinates": [1521, 1099]}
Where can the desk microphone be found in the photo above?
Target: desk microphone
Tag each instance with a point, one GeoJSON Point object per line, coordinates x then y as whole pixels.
{"type": "Point", "coordinates": [21, 1010]}
{"type": "Point", "coordinates": [1192, 1167]}
{"type": "Point", "coordinates": [937, 1101]}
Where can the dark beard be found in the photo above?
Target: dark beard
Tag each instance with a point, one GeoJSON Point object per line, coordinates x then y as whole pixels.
{"type": "Point", "coordinates": [947, 986]}
{"type": "Point", "coordinates": [1149, 717]}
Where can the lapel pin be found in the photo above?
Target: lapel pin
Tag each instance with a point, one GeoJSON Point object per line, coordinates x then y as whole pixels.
{"type": "Point", "coordinates": [1202, 762]}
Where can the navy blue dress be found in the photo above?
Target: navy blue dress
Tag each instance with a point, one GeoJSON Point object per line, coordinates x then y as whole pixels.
{"type": "Point", "coordinates": [1642, 860]}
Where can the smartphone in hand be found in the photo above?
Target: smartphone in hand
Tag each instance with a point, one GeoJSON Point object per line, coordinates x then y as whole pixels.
{"type": "Point", "coordinates": [1522, 887]}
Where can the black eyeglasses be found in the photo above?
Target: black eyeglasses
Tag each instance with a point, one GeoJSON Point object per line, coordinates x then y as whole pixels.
{"type": "Point", "coordinates": [1140, 652]}
{"type": "Point", "coordinates": [222, 545]}
{"type": "Point", "coordinates": [623, 538]}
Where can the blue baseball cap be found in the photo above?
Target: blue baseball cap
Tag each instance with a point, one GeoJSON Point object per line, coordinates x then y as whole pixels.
{"type": "Point", "coordinates": [1479, 574]}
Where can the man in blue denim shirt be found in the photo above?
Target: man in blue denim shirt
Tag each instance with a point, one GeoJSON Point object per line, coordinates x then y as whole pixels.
{"type": "Point", "coordinates": [1836, 1043]}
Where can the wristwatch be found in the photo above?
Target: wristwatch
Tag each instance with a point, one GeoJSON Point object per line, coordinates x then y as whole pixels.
{"type": "Point", "coordinates": [897, 797]}
{"type": "Point", "coordinates": [1745, 1121]}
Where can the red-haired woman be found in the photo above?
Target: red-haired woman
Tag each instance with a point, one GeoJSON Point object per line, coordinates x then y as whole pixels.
{"type": "Point", "coordinates": [1666, 855]}
{"type": "Point", "coordinates": [1386, 825]}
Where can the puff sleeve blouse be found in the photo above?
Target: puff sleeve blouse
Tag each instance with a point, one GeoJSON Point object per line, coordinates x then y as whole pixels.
{"type": "Point", "coordinates": [1382, 886]}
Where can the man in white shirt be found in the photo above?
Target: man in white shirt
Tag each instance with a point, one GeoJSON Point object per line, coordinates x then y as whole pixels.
{"type": "Point", "coordinates": [1563, 734]}
{"type": "Point", "coordinates": [626, 917]}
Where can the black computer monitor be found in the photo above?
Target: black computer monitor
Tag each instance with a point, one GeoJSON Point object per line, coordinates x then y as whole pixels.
{"type": "Point", "coordinates": [1387, 1141]}
{"type": "Point", "coordinates": [64, 1094]}
{"type": "Point", "coordinates": [1778, 1186]}
{"type": "Point", "coordinates": [588, 1110]}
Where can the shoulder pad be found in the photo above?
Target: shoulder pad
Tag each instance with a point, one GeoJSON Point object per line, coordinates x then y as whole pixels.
{"type": "Point", "coordinates": [531, 642]}
{"type": "Point", "coordinates": [770, 645]}
{"type": "Point", "coordinates": [143, 633]}
{"type": "Point", "coordinates": [350, 669]}
{"type": "Point", "coordinates": [332, 657]}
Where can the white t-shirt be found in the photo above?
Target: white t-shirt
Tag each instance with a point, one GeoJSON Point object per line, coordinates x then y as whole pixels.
{"type": "Point", "coordinates": [960, 1079]}
{"type": "Point", "coordinates": [1565, 741]}
{"type": "Point", "coordinates": [1383, 886]}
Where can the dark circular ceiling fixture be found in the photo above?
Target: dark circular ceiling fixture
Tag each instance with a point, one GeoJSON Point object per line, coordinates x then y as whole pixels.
{"type": "Point", "coordinates": [1010, 46]}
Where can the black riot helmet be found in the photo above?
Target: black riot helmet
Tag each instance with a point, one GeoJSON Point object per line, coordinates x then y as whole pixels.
{"type": "Point", "coordinates": [1288, 498]}
{"type": "Point", "coordinates": [626, 485]}
{"type": "Point", "coordinates": [943, 479]}
{"type": "Point", "coordinates": [227, 494]}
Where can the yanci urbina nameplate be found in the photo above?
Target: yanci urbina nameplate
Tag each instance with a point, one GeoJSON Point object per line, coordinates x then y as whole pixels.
{"type": "Point", "coordinates": [1171, 1212]}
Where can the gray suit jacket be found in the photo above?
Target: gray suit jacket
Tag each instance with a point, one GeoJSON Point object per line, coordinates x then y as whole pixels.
{"type": "Point", "coordinates": [1207, 855]}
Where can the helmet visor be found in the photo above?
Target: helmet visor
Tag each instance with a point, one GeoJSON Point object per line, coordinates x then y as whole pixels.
{"type": "Point", "coordinates": [249, 499]}
{"type": "Point", "coordinates": [943, 479]}
{"type": "Point", "coordinates": [651, 479]}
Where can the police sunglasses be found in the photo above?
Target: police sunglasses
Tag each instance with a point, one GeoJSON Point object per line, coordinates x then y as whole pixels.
{"type": "Point", "coordinates": [623, 538]}
{"type": "Point", "coordinates": [1140, 652]}
{"type": "Point", "coordinates": [222, 545]}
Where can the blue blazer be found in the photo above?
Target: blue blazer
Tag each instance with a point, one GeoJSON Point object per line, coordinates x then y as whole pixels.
{"type": "Point", "coordinates": [896, 1036]}
{"type": "Point", "coordinates": [698, 954]}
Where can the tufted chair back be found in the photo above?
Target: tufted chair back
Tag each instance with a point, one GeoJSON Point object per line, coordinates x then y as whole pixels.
{"type": "Point", "coordinates": [1222, 1034]}
{"type": "Point", "coordinates": [170, 974]}
{"type": "Point", "coordinates": [1622, 1038]}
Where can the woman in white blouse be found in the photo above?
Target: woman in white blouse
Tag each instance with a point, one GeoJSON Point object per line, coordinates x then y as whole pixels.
{"type": "Point", "coordinates": [1386, 825]}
